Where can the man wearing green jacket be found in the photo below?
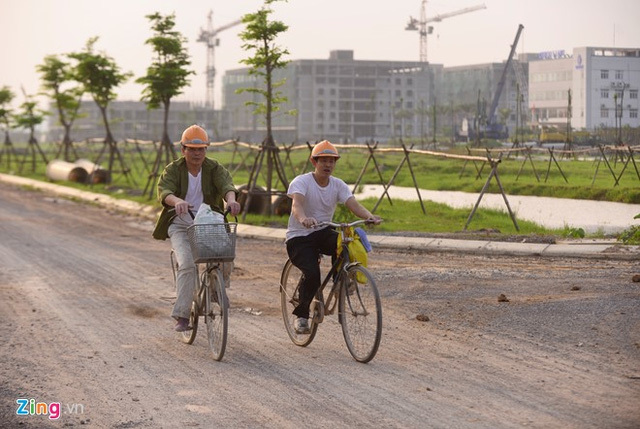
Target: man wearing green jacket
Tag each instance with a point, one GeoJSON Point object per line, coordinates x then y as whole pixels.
{"type": "Point", "coordinates": [184, 185]}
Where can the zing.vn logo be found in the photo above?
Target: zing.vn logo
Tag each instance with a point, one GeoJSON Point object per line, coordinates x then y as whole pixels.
{"type": "Point", "coordinates": [29, 407]}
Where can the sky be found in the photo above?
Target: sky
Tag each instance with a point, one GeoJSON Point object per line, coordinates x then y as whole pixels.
{"type": "Point", "coordinates": [373, 29]}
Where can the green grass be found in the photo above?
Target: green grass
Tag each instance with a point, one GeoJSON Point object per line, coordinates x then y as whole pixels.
{"type": "Point", "coordinates": [586, 180]}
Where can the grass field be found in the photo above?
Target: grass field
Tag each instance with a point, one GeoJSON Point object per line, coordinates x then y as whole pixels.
{"type": "Point", "coordinates": [579, 178]}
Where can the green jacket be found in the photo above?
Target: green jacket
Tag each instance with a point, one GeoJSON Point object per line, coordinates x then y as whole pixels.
{"type": "Point", "coordinates": [216, 182]}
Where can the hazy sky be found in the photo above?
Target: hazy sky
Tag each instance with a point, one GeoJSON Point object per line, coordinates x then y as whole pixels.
{"type": "Point", "coordinates": [373, 29]}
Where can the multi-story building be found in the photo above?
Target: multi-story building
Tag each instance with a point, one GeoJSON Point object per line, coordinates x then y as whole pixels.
{"type": "Point", "coordinates": [343, 99]}
{"type": "Point", "coordinates": [339, 98]}
{"type": "Point", "coordinates": [466, 92]}
{"type": "Point", "coordinates": [348, 100]}
{"type": "Point", "coordinates": [589, 88]}
{"type": "Point", "coordinates": [132, 120]}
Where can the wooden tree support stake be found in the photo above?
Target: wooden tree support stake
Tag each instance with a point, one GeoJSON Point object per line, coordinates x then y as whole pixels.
{"type": "Point", "coordinates": [553, 158]}
{"type": "Point", "coordinates": [528, 156]}
{"type": "Point", "coordinates": [395, 173]}
{"type": "Point", "coordinates": [494, 173]}
{"type": "Point", "coordinates": [371, 156]}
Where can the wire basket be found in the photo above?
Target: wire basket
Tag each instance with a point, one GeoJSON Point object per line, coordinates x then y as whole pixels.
{"type": "Point", "coordinates": [213, 242]}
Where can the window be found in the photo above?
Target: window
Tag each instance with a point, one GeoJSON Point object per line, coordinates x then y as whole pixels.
{"type": "Point", "coordinates": [604, 74]}
{"type": "Point", "coordinates": [633, 113]}
{"type": "Point", "coordinates": [633, 94]}
{"type": "Point", "coordinates": [320, 91]}
{"type": "Point", "coordinates": [604, 93]}
{"type": "Point", "coordinates": [619, 75]}
{"type": "Point", "coordinates": [604, 112]}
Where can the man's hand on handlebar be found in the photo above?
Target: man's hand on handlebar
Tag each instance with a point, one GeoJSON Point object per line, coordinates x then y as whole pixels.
{"type": "Point", "coordinates": [182, 207]}
{"type": "Point", "coordinates": [373, 219]}
{"type": "Point", "coordinates": [233, 207]}
{"type": "Point", "coordinates": [309, 222]}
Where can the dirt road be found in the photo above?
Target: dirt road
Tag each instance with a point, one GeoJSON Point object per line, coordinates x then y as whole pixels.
{"type": "Point", "coordinates": [84, 322]}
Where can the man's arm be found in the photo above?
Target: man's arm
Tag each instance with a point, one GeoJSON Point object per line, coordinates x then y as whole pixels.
{"type": "Point", "coordinates": [298, 213]}
{"type": "Point", "coordinates": [232, 204]}
{"type": "Point", "coordinates": [360, 211]}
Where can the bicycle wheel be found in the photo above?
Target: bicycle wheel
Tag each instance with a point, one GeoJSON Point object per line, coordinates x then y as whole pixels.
{"type": "Point", "coordinates": [216, 312]}
{"type": "Point", "coordinates": [360, 313]}
{"type": "Point", "coordinates": [289, 282]}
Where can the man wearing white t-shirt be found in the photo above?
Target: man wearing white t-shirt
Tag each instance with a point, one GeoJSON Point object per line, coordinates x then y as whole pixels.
{"type": "Point", "coordinates": [315, 196]}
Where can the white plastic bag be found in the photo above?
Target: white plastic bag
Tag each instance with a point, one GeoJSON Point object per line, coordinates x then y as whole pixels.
{"type": "Point", "coordinates": [206, 215]}
{"type": "Point", "coordinates": [221, 241]}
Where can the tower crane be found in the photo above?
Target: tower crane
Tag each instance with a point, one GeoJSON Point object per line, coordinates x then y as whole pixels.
{"type": "Point", "coordinates": [208, 37]}
{"type": "Point", "coordinates": [423, 30]}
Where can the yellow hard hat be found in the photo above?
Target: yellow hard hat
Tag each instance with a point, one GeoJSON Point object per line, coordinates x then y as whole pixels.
{"type": "Point", "coordinates": [195, 136]}
{"type": "Point", "coordinates": [324, 148]}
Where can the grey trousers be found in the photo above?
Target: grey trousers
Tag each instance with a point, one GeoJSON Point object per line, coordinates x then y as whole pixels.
{"type": "Point", "coordinates": [186, 277]}
{"type": "Point", "coordinates": [187, 270]}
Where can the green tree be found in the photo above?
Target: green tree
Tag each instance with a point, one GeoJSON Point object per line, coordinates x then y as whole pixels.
{"type": "Point", "coordinates": [168, 72]}
{"type": "Point", "coordinates": [59, 83]}
{"type": "Point", "coordinates": [29, 117]}
{"type": "Point", "coordinates": [6, 97]}
{"type": "Point", "coordinates": [100, 75]}
{"type": "Point", "coordinates": [259, 37]}
{"type": "Point", "coordinates": [6, 120]}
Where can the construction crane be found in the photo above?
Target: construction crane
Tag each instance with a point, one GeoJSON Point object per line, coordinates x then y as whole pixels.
{"type": "Point", "coordinates": [423, 30]}
{"type": "Point", "coordinates": [208, 37]}
{"type": "Point", "coordinates": [491, 128]}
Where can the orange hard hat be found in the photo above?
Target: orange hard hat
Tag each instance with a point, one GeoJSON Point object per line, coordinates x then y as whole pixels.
{"type": "Point", "coordinates": [195, 136]}
{"type": "Point", "coordinates": [324, 148]}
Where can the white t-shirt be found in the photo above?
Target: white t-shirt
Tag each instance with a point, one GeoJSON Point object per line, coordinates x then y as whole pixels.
{"type": "Point", "coordinates": [319, 202]}
{"type": "Point", "coordinates": [194, 196]}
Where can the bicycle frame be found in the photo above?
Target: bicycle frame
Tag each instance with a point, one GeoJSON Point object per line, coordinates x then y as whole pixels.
{"type": "Point", "coordinates": [338, 269]}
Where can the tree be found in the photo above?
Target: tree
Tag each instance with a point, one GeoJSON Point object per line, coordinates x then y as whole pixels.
{"type": "Point", "coordinates": [100, 75]}
{"type": "Point", "coordinates": [168, 73]}
{"type": "Point", "coordinates": [165, 78]}
{"type": "Point", "coordinates": [259, 36]}
{"type": "Point", "coordinates": [29, 117]}
{"type": "Point", "coordinates": [57, 76]}
{"type": "Point", "coordinates": [6, 119]}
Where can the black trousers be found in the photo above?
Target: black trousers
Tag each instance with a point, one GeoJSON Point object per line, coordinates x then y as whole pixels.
{"type": "Point", "coordinates": [304, 253]}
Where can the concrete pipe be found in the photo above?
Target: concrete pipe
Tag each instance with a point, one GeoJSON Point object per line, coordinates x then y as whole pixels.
{"type": "Point", "coordinates": [259, 200]}
{"type": "Point", "coordinates": [97, 174]}
{"type": "Point", "coordinates": [58, 170]}
{"type": "Point", "coordinates": [281, 205]}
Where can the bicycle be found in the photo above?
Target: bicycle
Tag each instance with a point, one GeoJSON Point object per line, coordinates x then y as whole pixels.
{"type": "Point", "coordinates": [211, 245]}
{"type": "Point", "coordinates": [354, 291]}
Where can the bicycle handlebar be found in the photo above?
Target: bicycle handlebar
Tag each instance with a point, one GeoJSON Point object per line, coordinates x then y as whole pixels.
{"type": "Point", "coordinates": [343, 224]}
{"type": "Point", "coordinates": [226, 212]}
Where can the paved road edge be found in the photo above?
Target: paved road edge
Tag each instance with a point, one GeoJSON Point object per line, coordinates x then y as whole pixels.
{"type": "Point", "coordinates": [583, 249]}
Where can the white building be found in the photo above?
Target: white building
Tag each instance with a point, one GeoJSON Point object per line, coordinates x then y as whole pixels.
{"type": "Point", "coordinates": [600, 84]}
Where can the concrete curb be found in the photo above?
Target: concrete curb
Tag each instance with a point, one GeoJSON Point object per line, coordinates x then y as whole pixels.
{"type": "Point", "coordinates": [581, 249]}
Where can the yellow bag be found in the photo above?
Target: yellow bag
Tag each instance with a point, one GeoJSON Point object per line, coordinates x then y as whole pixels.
{"type": "Point", "coordinates": [356, 250]}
